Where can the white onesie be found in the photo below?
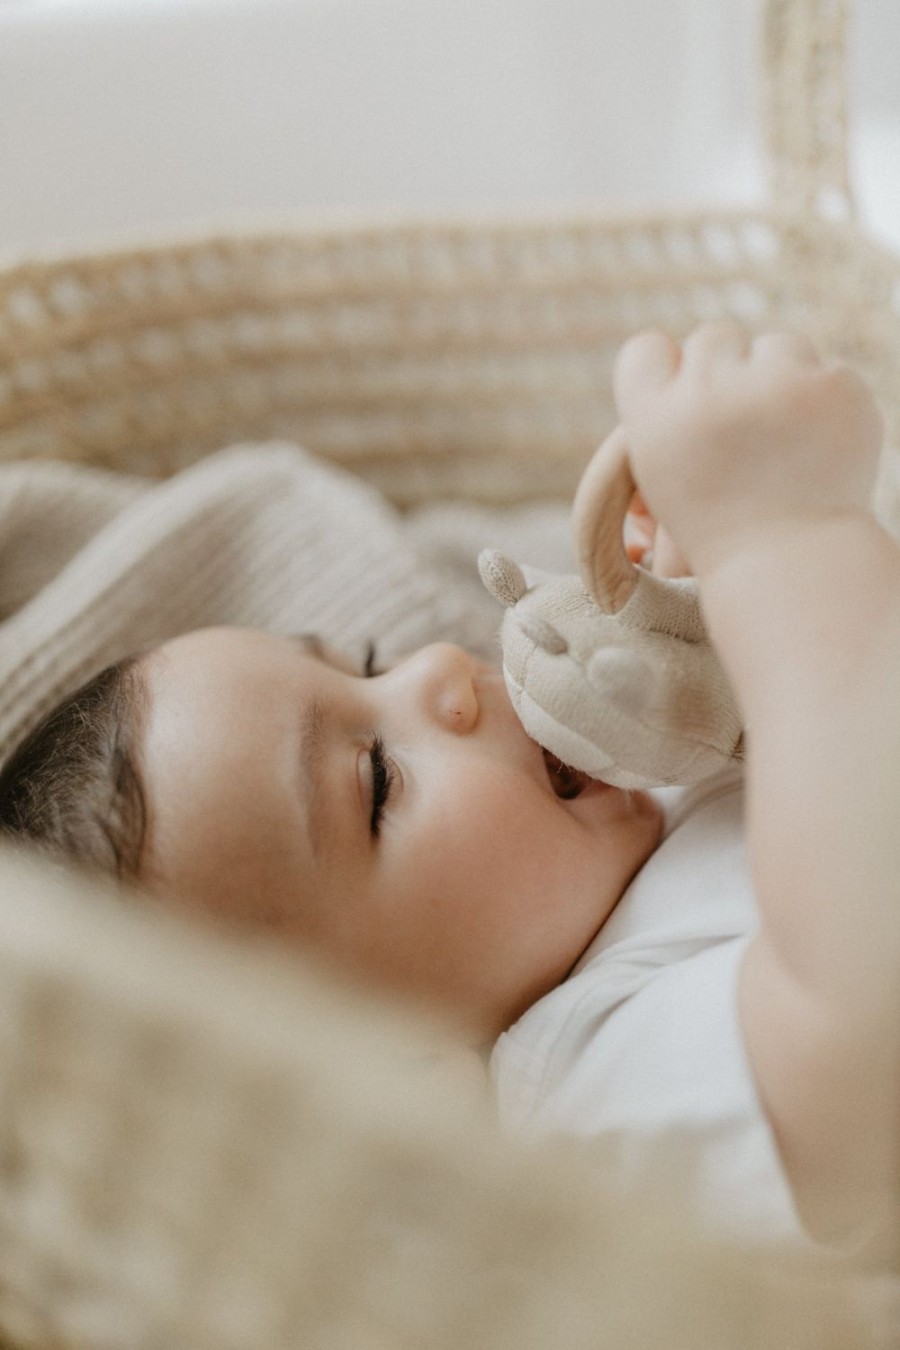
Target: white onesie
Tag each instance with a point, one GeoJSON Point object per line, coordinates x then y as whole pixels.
{"type": "Point", "coordinates": [643, 1040]}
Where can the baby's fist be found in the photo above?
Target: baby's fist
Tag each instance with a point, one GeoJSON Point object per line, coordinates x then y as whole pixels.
{"type": "Point", "coordinates": [731, 435]}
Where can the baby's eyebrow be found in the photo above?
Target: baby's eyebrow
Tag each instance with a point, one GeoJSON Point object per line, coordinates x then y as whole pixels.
{"type": "Point", "coordinates": [312, 645]}
{"type": "Point", "coordinates": [310, 762]}
{"type": "Point", "coordinates": [312, 741]}
{"type": "Point", "coordinates": [309, 643]}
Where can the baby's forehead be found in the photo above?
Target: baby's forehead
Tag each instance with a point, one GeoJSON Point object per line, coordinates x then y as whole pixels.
{"type": "Point", "coordinates": [208, 653]}
{"type": "Point", "coordinates": [220, 643]}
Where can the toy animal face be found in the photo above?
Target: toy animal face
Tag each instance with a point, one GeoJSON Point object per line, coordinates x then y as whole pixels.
{"type": "Point", "coordinates": [614, 673]}
{"type": "Point", "coordinates": [637, 698]}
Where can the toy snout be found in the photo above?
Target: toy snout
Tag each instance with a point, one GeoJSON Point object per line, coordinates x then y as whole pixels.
{"type": "Point", "coordinates": [624, 678]}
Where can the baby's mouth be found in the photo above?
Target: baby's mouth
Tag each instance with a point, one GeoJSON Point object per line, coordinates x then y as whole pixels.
{"type": "Point", "coordinates": [566, 782]}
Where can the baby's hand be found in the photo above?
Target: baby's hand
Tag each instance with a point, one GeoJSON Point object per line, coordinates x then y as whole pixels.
{"type": "Point", "coordinates": [732, 437]}
{"type": "Point", "coordinates": [648, 543]}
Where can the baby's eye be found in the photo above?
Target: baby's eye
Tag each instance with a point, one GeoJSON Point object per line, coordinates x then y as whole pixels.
{"type": "Point", "coordinates": [382, 781]}
{"type": "Point", "coordinates": [370, 669]}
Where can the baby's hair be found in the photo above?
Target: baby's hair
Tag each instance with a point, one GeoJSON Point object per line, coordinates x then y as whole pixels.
{"type": "Point", "coordinates": [72, 789]}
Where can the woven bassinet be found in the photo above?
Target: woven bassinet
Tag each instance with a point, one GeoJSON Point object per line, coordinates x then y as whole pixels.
{"type": "Point", "coordinates": [197, 1147]}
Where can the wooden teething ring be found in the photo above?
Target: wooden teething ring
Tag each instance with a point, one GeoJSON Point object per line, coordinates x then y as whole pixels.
{"type": "Point", "coordinates": [598, 524]}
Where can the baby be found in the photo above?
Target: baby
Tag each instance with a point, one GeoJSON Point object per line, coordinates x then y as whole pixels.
{"type": "Point", "coordinates": [401, 822]}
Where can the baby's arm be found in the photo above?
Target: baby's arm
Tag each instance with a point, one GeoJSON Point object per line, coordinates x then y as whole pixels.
{"type": "Point", "coordinates": [760, 460]}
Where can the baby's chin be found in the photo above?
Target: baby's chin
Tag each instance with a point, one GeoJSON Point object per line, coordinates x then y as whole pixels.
{"type": "Point", "coordinates": [647, 808]}
{"type": "Point", "coordinates": [642, 803]}
{"type": "Point", "coordinates": [602, 806]}
{"type": "Point", "coordinates": [642, 807]}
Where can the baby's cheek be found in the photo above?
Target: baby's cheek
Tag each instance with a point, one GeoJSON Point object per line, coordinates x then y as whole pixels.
{"type": "Point", "coordinates": [514, 896]}
{"type": "Point", "coordinates": [501, 806]}
{"type": "Point", "coordinates": [515, 833]}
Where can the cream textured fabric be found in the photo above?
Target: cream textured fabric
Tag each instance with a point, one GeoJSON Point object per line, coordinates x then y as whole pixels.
{"type": "Point", "coordinates": [203, 1148]}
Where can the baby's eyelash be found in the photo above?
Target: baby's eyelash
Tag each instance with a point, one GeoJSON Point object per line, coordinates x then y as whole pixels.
{"type": "Point", "coordinates": [369, 667]}
{"type": "Point", "coordinates": [383, 774]}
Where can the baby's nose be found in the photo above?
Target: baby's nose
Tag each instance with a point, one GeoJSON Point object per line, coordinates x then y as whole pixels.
{"type": "Point", "coordinates": [444, 679]}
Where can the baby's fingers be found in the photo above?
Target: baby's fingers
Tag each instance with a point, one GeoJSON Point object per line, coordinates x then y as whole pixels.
{"type": "Point", "coordinates": [667, 558]}
{"type": "Point", "coordinates": [713, 344]}
{"type": "Point", "coordinates": [644, 365]}
{"type": "Point", "coordinates": [785, 348]}
{"type": "Point", "coordinates": [639, 535]}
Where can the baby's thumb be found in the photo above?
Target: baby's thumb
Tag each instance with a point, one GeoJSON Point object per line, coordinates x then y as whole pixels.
{"type": "Point", "coordinates": [668, 559]}
{"type": "Point", "coordinates": [644, 364]}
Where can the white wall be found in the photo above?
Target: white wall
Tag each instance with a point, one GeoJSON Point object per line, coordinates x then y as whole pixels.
{"type": "Point", "coordinates": [875, 93]}
{"type": "Point", "coordinates": [123, 118]}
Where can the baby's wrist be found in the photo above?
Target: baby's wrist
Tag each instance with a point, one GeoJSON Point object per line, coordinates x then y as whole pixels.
{"type": "Point", "coordinates": [770, 560]}
{"type": "Point", "coordinates": [779, 538]}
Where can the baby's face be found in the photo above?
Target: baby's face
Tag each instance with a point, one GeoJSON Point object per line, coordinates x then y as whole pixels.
{"type": "Point", "coordinates": [404, 825]}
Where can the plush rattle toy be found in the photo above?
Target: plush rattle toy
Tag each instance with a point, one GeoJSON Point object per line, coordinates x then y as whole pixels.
{"type": "Point", "coordinates": [613, 673]}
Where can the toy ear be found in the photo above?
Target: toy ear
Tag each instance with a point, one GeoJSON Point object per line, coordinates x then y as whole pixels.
{"type": "Point", "coordinates": [598, 525]}
{"type": "Point", "coordinates": [502, 577]}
